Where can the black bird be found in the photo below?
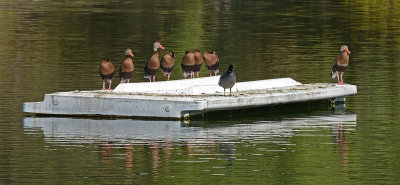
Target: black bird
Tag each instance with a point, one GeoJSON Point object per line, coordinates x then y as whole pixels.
{"type": "Point", "coordinates": [228, 79]}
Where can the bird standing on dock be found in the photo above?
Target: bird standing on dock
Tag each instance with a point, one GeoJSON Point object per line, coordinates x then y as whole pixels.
{"type": "Point", "coordinates": [212, 62]}
{"type": "Point", "coordinates": [187, 64]}
{"type": "Point", "coordinates": [340, 64]}
{"type": "Point", "coordinates": [106, 72]}
{"type": "Point", "coordinates": [153, 64]}
{"type": "Point", "coordinates": [167, 63]}
{"type": "Point", "coordinates": [198, 58]}
{"type": "Point", "coordinates": [126, 69]}
{"type": "Point", "coordinates": [228, 79]}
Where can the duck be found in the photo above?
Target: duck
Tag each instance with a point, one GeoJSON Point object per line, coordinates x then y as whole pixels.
{"type": "Point", "coordinates": [153, 64]}
{"type": "Point", "coordinates": [340, 64]}
{"type": "Point", "coordinates": [187, 64]}
{"type": "Point", "coordinates": [198, 58]}
{"type": "Point", "coordinates": [127, 67]}
{"type": "Point", "coordinates": [212, 62]}
{"type": "Point", "coordinates": [167, 63]}
{"type": "Point", "coordinates": [228, 79]}
{"type": "Point", "coordinates": [106, 72]}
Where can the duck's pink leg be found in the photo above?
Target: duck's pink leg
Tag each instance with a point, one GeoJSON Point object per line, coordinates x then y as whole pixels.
{"type": "Point", "coordinates": [168, 76]}
{"type": "Point", "coordinates": [109, 85]}
{"type": "Point", "coordinates": [215, 73]}
{"type": "Point", "coordinates": [104, 83]}
{"type": "Point", "coordinates": [154, 78]}
{"type": "Point", "coordinates": [210, 73]}
{"type": "Point", "coordinates": [149, 79]}
{"type": "Point", "coordinates": [197, 74]}
{"type": "Point", "coordinates": [338, 78]}
{"type": "Point", "coordinates": [341, 76]}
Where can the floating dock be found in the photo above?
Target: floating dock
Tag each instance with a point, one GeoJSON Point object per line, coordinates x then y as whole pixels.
{"type": "Point", "coordinates": [183, 98]}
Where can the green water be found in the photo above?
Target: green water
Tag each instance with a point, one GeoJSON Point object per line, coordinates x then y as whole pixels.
{"type": "Point", "coordinates": [52, 46]}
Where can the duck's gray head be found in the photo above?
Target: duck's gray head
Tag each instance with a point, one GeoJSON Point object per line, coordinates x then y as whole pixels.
{"type": "Point", "coordinates": [128, 52]}
{"type": "Point", "coordinates": [344, 48]}
{"type": "Point", "coordinates": [157, 45]}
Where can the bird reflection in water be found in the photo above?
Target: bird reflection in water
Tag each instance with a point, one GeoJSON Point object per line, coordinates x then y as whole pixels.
{"type": "Point", "coordinates": [342, 145]}
{"type": "Point", "coordinates": [134, 155]}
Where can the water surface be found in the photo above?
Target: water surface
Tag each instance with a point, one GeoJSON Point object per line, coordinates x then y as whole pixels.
{"type": "Point", "coordinates": [48, 46]}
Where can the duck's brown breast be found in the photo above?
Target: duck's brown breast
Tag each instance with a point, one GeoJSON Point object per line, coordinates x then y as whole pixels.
{"type": "Point", "coordinates": [153, 62]}
{"type": "Point", "coordinates": [343, 59]}
{"type": "Point", "coordinates": [127, 65]}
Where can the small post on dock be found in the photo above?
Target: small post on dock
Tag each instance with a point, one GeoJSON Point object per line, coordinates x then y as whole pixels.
{"type": "Point", "coordinates": [340, 100]}
{"type": "Point", "coordinates": [338, 103]}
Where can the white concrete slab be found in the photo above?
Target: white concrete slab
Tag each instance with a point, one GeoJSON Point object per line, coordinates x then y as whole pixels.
{"type": "Point", "coordinates": [199, 86]}
{"type": "Point", "coordinates": [144, 100]}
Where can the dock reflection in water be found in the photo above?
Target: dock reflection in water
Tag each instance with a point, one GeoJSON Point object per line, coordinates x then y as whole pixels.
{"type": "Point", "coordinates": [128, 130]}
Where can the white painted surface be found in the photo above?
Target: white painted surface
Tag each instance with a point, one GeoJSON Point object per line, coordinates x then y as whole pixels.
{"type": "Point", "coordinates": [198, 86]}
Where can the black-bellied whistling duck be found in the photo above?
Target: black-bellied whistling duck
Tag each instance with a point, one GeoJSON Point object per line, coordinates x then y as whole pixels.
{"type": "Point", "coordinates": [153, 64]}
{"type": "Point", "coordinates": [228, 79]}
{"type": "Point", "coordinates": [167, 63]}
{"type": "Point", "coordinates": [106, 72]}
{"type": "Point", "coordinates": [126, 69]}
{"type": "Point", "coordinates": [198, 58]}
{"type": "Point", "coordinates": [212, 62]}
{"type": "Point", "coordinates": [187, 64]}
{"type": "Point", "coordinates": [340, 64]}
